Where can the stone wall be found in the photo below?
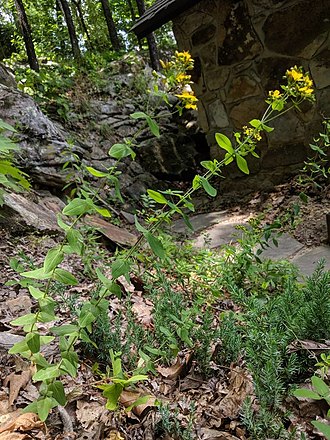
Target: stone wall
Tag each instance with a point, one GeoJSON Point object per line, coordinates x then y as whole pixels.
{"type": "Point", "coordinates": [242, 50]}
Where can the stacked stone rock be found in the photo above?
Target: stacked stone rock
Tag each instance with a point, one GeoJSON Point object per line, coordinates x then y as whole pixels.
{"type": "Point", "coordinates": [241, 50]}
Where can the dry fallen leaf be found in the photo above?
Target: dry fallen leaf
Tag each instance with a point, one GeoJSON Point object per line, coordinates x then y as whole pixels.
{"type": "Point", "coordinates": [143, 309]}
{"type": "Point", "coordinates": [115, 435]}
{"type": "Point", "coordinates": [307, 344]}
{"type": "Point", "coordinates": [89, 412]}
{"type": "Point", "coordinates": [13, 436]}
{"type": "Point", "coordinates": [212, 434]}
{"type": "Point", "coordinates": [181, 366]}
{"type": "Point", "coordinates": [16, 382]}
{"type": "Point", "coordinates": [240, 387]}
{"type": "Point", "coordinates": [127, 398]}
{"type": "Point", "coordinates": [23, 422]}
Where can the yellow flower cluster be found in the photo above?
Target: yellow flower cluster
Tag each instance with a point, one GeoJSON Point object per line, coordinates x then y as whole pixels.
{"type": "Point", "coordinates": [184, 57]}
{"type": "Point", "coordinates": [300, 81]}
{"type": "Point", "coordinates": [176, 79]}
{"type": "Point", "coordinates": [188, 99]}
{"type": "Point", "coordinates": [252, 132]}
{"type": "Point", "coordinates": [275, 94]}
{"type": "Point", "coordinates": [183, 78]}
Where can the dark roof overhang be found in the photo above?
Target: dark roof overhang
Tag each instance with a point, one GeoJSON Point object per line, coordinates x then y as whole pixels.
{"type": "Point", "coordinates": [160, 13]}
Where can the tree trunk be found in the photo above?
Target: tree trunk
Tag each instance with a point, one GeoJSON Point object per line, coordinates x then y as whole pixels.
{"type": "Point", "coordinates": [27, 35]}
{"type": "Point", "coordinates": [152, 45]}
{"type": "Point", "coordinates": [71, 29]}
{"type": "Point", "coordinates": [80, 14]}
{"type": "Point", "coordinates": [131, 8]}
{"type": "Point", "coordinates": [111, 26]}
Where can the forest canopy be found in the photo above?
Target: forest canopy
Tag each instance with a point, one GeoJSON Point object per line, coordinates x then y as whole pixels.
{"type": "Point", "coordinates": [60, 29]}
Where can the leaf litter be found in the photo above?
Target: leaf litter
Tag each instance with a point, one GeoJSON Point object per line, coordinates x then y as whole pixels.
{"type": "Point", "coordinates": [217, 401]}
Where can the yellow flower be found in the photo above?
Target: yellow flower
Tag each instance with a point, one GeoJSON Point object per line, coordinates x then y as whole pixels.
{"type": "Point", "coordinates": [248, 131]}
{"type": "Point", "coordinates": [192, 106]}
{"type": "Point", "coordinates": [182, 78]}
{"type": "Point", "coordinates": [294, 74]}
{"type": "Point", "coordinates": [308, 82]}
{"type": "Point", "coordinates": [307, 91]}
{"type": "Point", "coordinates": [275, 94]}
{"type": "Point", "coordinates": [183, 56]}
{"type": "Point", "coordinates": [188, 99]}
{"type": "Point", "coordinates": [188, 96]}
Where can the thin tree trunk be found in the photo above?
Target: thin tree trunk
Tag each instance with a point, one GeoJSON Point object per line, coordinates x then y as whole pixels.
{"type": "Point", "coordinates": [111, 26]}
{"type": "Point", "coordinates": [80, 14]}
{"type": "Point", "coordinates": [59, 17]}
{"type": "Point", "coordinates": [152, 45]}
{"type": "Point", "coordinates": [71, 29]}
{"type": "Point", "coordinates": [131, 8]}
{"type": "Point", "coordinates": [27, 35]}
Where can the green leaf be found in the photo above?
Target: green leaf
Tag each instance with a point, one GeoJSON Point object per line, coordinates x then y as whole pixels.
{"type": "Point", "coordinates": [112, 393]}
{"type": "Point", "coordinates": [46, 340]}
{"type": "Point", "coordinates": [39, 360]}
{"type": "Point", "coordinates": [187, 221]}
{"type": "Point", "coordinates": [277, 105]}
{"type": "Point", "coordinates": [196, 183]}
{"type": "Point", "coordinates": [208, 188]}
{"type": "Point", "coordinates": [308, 394]}
{"type": "Point", "coordinates": [46, 317]}
{"type": "Point", "coordinates": [228, 159]}
{"type": "Point", "coordinates": [68, 367]}
{"type": "Point", "coordinates": [5, 126]}
{"type": "Point", "coordinates": [115, 289]}
{"type": "Point", "coordinates": [46, 373]}
{"type": "Point", "coordinates": [36, 293]}
{"type": "Point", "coordinates": [103, 211]}
{"type": "Point", "coordinates": [256, 123]}
{"type": "Point", "coordinates": [77, 207]}
{"type": "Point", "coordinates": [37, 274]}
{"type": "Point", "coordinates": [155, 245]}
{"type": "Point", "coordinates": [44, 406]}
{"type": "Point", "coordinates": [32, 407]}
{"type": "Point", "coordinates": [140, 401]}
{"type": "Point", "coordinates": [57, 389]}
{"type": "Point", "coordinates": [322, 427]}
{"type": "Point", "coordinates": [154, 128]}
{"type": "Point", "coordinates": [267, 128]}
{"type": "Point", "coordinates": [19, 347]}
{"type": "Point", "coordinates": [119, 151]}
{"type": "Point", "coordinates": [64, 330]}
{"type": "Point", "coordinates": [242, 164]}
{"type": "Point", "coordinates": [28, 319]}
{"type": "Point", "coordinates": [138, 226]}
{"type": "Point", "coordinates": [96, 173]}
{"type": "Point", "coordinates": [224, 142]}
{"type": "Point", "coordinates": [120, 267]}
{"type": "Point", "coordinates": [104, 280]}
{"type": "Point", "coordinates": [62, 224]}
{"type": "Point", "coordinates": [47, 305]}
{"type": "Point", "coordinates": [65, 277]}
{"type": "Point", "coordinates": [72, 357]}
{"type": "Point", "coordinates": [139, 115]}
{"type": "Point", "coordinates": [209, 165]}
{"type": "Point", "coordinates": [85, 319]}
{"type": "Point", "coordinates": [33, 342]}
{"type": "Point", "coordinates": [75, 240]}
{"type": "Point", "coordinates": [320, 386]}
{"type": "Point", "coordinates": [53, 258]}
{"type": "Point", "coordinates": [157, 197]}
{"type": "Point", "coordinates": [134, 379]}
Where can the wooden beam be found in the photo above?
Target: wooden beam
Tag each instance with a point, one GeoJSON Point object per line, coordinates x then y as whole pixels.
{"type": "Point", "coordinates": [160, 13]}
